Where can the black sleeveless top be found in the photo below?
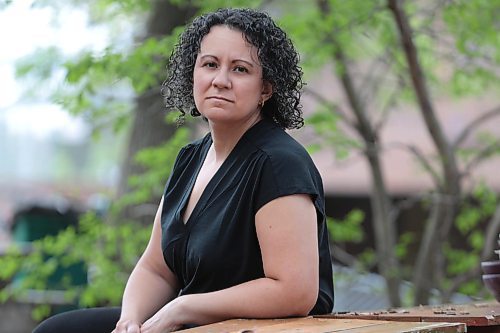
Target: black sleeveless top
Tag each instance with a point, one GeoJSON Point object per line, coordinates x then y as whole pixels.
{"type": "Point", "coordinates": [218, 247]}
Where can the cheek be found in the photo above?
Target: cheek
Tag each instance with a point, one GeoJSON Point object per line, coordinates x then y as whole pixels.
{"type": "Point", "coordinates": [197, 96]}
{"type": "Point", "coordinates": [252, 90]}
{"type": "Point", "coordinates": [197, 87]}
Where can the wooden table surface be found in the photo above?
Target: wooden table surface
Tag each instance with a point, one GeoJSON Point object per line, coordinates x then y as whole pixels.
{"type": "Point", "coordinates": [479, 317]}
{"type": "Point", "coordinates": [326, 325]}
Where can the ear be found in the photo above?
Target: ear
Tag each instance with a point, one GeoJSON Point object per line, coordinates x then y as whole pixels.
{"type": "Point", "coordinates": [267, 91]}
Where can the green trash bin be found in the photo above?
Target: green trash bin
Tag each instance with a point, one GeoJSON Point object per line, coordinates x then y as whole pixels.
{"type": "Point", "coordinates": [36, 222]}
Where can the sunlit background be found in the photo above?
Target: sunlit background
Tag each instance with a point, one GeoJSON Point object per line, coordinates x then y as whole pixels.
{"type": "Point", "coordinates": [41, 145]}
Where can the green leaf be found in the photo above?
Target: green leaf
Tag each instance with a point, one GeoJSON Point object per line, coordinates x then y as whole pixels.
{"type": "Point", "coordinates": [349, 229]}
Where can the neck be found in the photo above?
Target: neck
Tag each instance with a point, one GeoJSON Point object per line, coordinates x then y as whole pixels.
{"type": "Point", "coordinates": [226, 136]}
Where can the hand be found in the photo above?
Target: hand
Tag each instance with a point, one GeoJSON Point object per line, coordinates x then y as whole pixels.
{"type": "Point", "coordinates": [167, 319]}
{"type": "Point", "coordinates": [127, 326]}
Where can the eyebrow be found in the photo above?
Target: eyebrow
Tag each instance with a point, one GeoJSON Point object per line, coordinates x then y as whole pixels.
{"type": "Point", "coordinates": [235, 60]}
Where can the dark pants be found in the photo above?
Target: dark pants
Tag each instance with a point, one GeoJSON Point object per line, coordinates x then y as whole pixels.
{"type": "Point", "coordinates": [94, 320]}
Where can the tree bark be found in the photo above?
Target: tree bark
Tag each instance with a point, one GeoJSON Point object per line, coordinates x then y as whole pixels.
{"type": "Point", "coordinates": [384, 228]}
{"type": "Point", "coordinates": [439, 225]}
{"type": "Point", "coordinates": [149, 128]}
{"type": "Point", "coordinates": [385, 231]}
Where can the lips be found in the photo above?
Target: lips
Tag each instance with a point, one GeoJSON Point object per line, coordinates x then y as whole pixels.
{"type": "Point", "coordinates": [220, 98]}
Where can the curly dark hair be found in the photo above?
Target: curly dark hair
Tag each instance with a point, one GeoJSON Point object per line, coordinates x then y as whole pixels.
{"type": "Point", "coordinates": [276, 53]}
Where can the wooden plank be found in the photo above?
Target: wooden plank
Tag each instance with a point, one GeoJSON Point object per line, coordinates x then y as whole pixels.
{"type": "Point", "coordinates": [324, 325]}
{"type": "Point", "coordinates": [474, 314]}
{"type": "Point", "coordinates": [407, 327]}
{"type": "Point", "coordinates": [237, 325]}
{"type": "Point", "coordinates": [317, 325]}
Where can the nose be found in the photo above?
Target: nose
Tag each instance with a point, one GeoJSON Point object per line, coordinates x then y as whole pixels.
{"type": "Point", "coordinates": [221, 79]}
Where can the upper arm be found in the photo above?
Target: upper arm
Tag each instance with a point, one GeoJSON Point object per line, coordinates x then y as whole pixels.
{"type": "Point", "coordinates": [152, 258]}
{"type": "Point", "coordinates": [287, 232]}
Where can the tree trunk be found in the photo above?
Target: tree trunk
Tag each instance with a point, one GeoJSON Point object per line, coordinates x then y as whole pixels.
{"type": "Point", "coordinates": [437, 229]}
{"type": "Point", "coordinates": [384, 228]}
{"type": "Point", "coordinates": [385, 231]}
{"type": "Point", "coordinates": [149, 128]}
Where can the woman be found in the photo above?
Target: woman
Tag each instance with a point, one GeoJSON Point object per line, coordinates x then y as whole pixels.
{"type": "Point", "coordinates": [240, 231]}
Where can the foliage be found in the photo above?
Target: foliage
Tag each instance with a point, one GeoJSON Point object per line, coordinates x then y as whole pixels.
{"type": "Point", "coordinates": [405, 240]}
{"type": "Point", "coordinates": [474, 26]}
{"type": "Point", "coordinates": [157, 160]}
{"type": "Point", "coordinates": [109, 252]}
{"type": "Point", "coordinates": [465, 256]}
{"type": "Point", "coordinates": [325, 124]}
{"type": "Point", "coordinates": [106, 246]}
{"type": "Point", "coordinates": [348, 229]}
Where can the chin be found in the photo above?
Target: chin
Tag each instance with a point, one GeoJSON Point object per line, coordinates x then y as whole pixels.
{"type": "Point", "coordinates": [221, 120]}
{"type": "Point", "coordinates": [218, 114]}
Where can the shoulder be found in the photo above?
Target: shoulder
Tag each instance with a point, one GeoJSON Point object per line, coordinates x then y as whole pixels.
{"type": "Point", "coordinates": [196, 144]}
{"type": "Point", "coordinates": [287, 168]}
{"type": "Point", "coordinates": [275, 142]}
{"type": "Point", "coordinates": [283, 151]}
{"type": "Point", "coordinates": [287, 163]}
{"type": "Point", "coordinates": [189, 152]}
{"type": "Point", "coordinates": [194, 147]}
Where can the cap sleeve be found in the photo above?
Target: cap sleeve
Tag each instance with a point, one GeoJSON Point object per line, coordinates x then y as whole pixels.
{"type": "Point", "coordinates": [289, 172]}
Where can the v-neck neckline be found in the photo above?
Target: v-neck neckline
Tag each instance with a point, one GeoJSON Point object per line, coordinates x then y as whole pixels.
{"type": "Point", "coordinates": [206, 147]}
{"type": "Point", "coordinates": [207, 191]}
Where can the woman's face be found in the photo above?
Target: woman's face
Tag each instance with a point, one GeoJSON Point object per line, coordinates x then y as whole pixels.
{"type": "Point", "coordinates": [227, 78]}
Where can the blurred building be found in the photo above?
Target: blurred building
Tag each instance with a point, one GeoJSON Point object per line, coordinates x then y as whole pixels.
{"type": "Point", "coordinates": [403, 127]}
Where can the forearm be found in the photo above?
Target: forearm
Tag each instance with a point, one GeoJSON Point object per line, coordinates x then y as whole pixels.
{"type": "Point", "coordinates": [145, 293]}
{"type": "Point", "coordinates": [261, 298]}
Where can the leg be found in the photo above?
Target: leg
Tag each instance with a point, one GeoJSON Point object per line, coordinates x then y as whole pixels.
{"type": "Point", "coordinates": [95, 320]}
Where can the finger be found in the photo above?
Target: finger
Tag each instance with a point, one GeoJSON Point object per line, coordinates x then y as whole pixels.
{"type": "Point", "coordinates": [146, 326]}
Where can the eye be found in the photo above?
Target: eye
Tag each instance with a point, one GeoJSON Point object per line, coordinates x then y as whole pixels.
{"type": "Point", "coordinates": [209, 64]}
{"type": "Point", "coordinates": [240, 69]}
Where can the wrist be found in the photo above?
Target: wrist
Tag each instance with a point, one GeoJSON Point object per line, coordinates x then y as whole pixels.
{"type": "Point", "coordinates": [130, 316]}
{"type": "Point", "coordinates": [181, 310]}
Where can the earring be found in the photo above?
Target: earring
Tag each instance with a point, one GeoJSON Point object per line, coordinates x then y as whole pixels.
{"type": "Point", "coordinates": [261, 104]}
